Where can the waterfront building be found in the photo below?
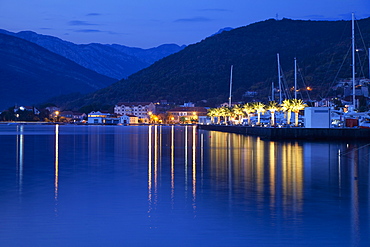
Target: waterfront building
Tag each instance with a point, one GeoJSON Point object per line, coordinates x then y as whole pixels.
{"type": "Point", "coordinates": [72, 116]}
{"type": "Point", "coordinates": [142, 110]}
{"type": "Point", "coordinates": [188, 104]}
{"type": "Point", "coordinates": [187, 114]}
{"type": "Point", "coordinates": [111, 120]}
{"type": "Point", "coordinates": [129, 119]}
{"type": "Point", "coordinates": [226, 104]}
{"type": "Point", "coordinates": [204, 120]}
{"type": "Point", "coordinates": [97, 117]}
{"type": "Point", "coordinates": [317, 117]}
{"type": "Point", "coordinates": [52, 109]}
{"type": "Point", "coordinates": [32, 109]}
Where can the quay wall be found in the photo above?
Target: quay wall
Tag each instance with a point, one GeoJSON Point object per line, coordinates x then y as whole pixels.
{"type": "Point", "coordinates": [294, 133]}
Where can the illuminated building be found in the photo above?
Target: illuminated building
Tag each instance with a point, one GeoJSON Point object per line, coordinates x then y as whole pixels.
{"type": "Point", "coordinates": [140, 109]}
{"type": "Point", "coordinates": [97, 117]}
{"type": "Point", "coordinates": [187, 113]}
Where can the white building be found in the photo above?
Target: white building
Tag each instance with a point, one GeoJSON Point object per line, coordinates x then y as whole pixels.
{"type": "Point", "coordinates": [204, 120]}
{"type": "Point", "coordinates": [142, 110]}
{"type": "Point", "coordinates": [187, 114]}
{"type": "Point", "coordinates": [27, 108]}
{"type": "Point", "coordinates": [97, 117]}
{"type": "Point", "coordinates": [317, 117]}
{"type": "Point", "coordinates": [129, 119]}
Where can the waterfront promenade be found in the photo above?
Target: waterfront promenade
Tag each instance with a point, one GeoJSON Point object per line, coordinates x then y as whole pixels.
{"type": "Point", "coordinates": [294, 132]}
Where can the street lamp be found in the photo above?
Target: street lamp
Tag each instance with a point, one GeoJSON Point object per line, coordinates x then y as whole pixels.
{"type": "Point", "coordinates": [56, 115]}
{"type": "Point", "coordinates": [150, 116]}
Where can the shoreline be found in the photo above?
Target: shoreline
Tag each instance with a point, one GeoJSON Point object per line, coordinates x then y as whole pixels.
{"type": "Point", "coordinates": [294, 133]}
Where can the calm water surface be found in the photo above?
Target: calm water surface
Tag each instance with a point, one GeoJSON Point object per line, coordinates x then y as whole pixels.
{"type": "Point", "coordinates": [178, 186]}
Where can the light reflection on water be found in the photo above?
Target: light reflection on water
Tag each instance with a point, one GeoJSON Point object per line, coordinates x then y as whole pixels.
{"type": "Point", "coordinates": [178, 186]}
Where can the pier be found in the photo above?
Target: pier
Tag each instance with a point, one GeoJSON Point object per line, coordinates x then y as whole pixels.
{"type": "Point", "coordinates": [294, 132]}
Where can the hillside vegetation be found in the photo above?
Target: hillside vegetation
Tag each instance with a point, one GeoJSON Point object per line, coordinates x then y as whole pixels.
{"type": "Point", "coordinates": [30, 74]}
{"type": "Point", "coordinates": [201, 71]}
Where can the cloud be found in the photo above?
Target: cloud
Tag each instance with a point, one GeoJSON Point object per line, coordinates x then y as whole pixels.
{"type": "Point", "coordinates": [80, 23]}
{"type": "Point", "coordinates": [88, 31]}
{"type": "Point", "coordinates": [194, 19]}
{"type": "Point", "coordinates": [214, 10]}
{"type": "Point", "coordinates": [93, 14]}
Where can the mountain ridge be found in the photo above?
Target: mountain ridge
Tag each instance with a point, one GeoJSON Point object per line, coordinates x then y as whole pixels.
{"type": "Point", "coordinates": [201, 71]}
{"type": "Point", "coordinates": [30, 74]}
{"type": "Point", "coordinates": [112, 60]}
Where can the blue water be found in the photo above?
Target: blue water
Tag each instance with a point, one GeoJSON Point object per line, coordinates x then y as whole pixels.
{"type": "Point", "coordinates": [178, 186]}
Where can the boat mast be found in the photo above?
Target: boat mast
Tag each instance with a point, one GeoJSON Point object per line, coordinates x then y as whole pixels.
{"type": "Point", "coordinates": [279, 75]}
{"type": "Point", "coordinates": [353, 62]}
{"type": "Point", "coordinates": [231, 84]}
{"type": "Point", "coordinates": [295, 78]}
{"type": "Point", "coordinates": [272, 92]}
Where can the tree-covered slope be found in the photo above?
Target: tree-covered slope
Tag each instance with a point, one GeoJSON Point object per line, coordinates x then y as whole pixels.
{"type": "Point", "coordinates": [201, 71]}
{"type": "Point", "coordinates": [30, 74]}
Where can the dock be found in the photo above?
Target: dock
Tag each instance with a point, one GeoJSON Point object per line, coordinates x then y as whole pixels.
{"type": "Point", "coordinates": [289, 133]}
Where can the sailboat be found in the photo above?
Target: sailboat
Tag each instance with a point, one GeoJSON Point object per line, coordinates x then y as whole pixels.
{"type": "Point", "coordinates": [362, 119]}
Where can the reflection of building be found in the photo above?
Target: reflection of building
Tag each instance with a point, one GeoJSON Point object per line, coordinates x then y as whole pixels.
{"type": "Point", "coordinates": [20, 155]}
{"type": "Point", "coordinates": [258, 168]}
{"type": "Point", "coordinates": [187, 138]}
{"type": "Point", "coordinates": [140, 109]}
{"type": "Point", "coordinates": [185, 114]}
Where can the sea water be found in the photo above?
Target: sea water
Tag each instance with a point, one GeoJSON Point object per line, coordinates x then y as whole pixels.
{"type": "Point", "coordinates": [67, 185]}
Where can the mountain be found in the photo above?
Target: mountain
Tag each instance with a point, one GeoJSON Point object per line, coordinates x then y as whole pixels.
{"type": "Point", "coordinates": [226, 29]}
{"type": "Point", "coordinates": [201, 71]}
{"type": "Point", "coordinates": [30, 74]}
{"type": "Point", "coordinates": [150, 55]}
{"type": "Point", "coordinates": [115, 61]}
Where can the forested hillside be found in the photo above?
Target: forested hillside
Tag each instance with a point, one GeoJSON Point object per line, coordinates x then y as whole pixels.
{"type": "Point", "coordinates": [201, 71]}
{"type": "Point", "coordinates": [30, 74]}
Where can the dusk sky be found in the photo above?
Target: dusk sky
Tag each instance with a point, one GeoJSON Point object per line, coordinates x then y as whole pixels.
{"type": "Point", "coordinates": [146, 23]}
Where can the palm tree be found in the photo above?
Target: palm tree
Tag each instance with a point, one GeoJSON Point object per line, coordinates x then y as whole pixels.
{"type": "Point", "coordinates": [272, 107]}
{"type": "Point", "coordinates": [212, 112]}
{"type": "Point", "coordinates": [225, 112]}
{"type": "Point", "coordinates": [218, 114]}
{"type": "Point", "coordinates": [238, 111]}
{"type": "Point", "coordinates": [297, 105]}
{"type": "Point", "coordinates": [259, 108]}
{"type": "Point", "coordinates": [287, 106]}
{"type": "Point", "coordinates": [248, 109]}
